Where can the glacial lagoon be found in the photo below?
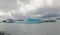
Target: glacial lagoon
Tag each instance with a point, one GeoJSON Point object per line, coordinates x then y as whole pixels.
{"type": "Point", "coordinates": [49, 28]}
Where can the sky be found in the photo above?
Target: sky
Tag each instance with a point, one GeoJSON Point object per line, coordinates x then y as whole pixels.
{"type": "Point", "coordinates": [29, 8]}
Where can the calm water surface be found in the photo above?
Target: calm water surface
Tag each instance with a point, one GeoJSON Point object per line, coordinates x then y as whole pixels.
{"type": "Point", "coordinates": [52, 28]}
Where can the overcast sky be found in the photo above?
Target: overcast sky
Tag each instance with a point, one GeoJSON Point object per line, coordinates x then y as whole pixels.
{"type": "Point", "coordinates": [30, 8]}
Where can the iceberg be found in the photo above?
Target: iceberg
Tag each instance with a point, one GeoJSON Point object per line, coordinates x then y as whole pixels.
{"type": "Point", "coordinates": [8, 21]}
{"type": "Point", "coordinates": [52, 19]}
{"type": "Point", "coordinates": [34, 20]}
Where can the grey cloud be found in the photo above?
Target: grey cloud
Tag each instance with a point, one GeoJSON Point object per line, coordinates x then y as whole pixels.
{"type": "Point", "coordinates": [25, 1]}
{"type": "Point", "coordinates": [8, 5]}
{"type": "Point", "coordinates": [46, 12]}
{"type": "Point", "coordinates": [49, 12]}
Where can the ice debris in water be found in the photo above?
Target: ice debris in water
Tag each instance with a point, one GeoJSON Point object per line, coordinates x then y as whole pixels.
{"type": "Point", "coordinates": [28, 20]}
{"type": "Point", "coordinates": [34, 20]}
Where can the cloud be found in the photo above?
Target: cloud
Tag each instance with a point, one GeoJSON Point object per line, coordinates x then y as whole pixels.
{"type": "Point", "coordinates": [31, 8]}
{"type": "Point", "coordinates": [44, 12]}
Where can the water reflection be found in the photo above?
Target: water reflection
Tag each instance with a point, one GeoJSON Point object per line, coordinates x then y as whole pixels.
{"type": "Point", "coordinates": [29, 29]}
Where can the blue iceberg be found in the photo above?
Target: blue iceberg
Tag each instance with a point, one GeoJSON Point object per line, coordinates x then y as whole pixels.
{"type": "Point", "coordinates": [34, 20]}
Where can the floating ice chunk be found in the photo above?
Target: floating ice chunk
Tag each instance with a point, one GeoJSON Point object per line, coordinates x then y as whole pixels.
{"type": "Point", "coordinates": [8, 21]}
{"type": "Point", "coordinates": [50, 20]}
{"type": "Point", "coordinates": [34, 20]}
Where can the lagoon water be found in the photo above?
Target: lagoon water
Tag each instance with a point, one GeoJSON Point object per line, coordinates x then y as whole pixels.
{"type": "Point", "coordinates": [52, 28]}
